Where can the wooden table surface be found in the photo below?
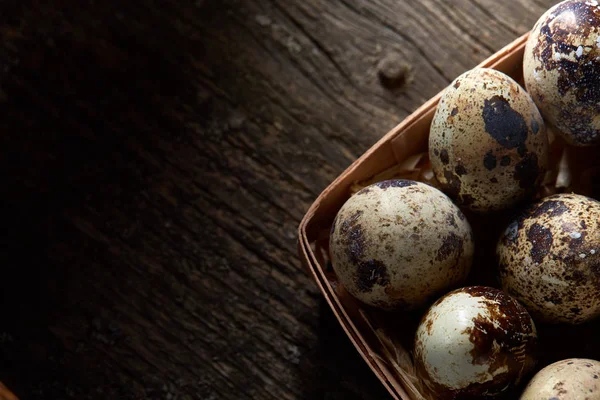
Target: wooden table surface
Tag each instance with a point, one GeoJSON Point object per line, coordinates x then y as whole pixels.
{"type": "Point", "coordinates": [157, 158]}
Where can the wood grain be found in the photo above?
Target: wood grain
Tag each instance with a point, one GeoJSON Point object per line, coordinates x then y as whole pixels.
{"type": "Point", "coordinates": [157, 159]}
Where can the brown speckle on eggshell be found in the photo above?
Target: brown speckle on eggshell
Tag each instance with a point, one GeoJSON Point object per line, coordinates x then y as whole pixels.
{"type": "Point", "coordinates": [398, 243]}
{"type": "Point", "coordinates": [561, 68]}
{"type": "Point", "coordinates": [549, 258]}
{"type": "Point", "coordinates": [474, 341]}
{"type": "Point", "coordinates": [488, 144]}
{"type": "Point", "coordinates": [570, 379]}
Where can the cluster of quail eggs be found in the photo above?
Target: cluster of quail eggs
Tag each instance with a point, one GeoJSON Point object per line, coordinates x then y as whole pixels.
{"type": "Point", "coordinates": [401, 244]}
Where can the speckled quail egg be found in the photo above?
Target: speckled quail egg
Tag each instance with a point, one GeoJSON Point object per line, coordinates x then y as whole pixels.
{"type": "Point", "coordinates": [561, 67]}
{"type": "Point", "coordinates": [549, 259]}
{"type": "Point", "coordinates": [487, 144]}
{"type": "Point", "coordinates": [571, 379]}
{"type": "Point", "coordinates": [397, 243]}
{"type": "Point", "coordinates": [474, 341]}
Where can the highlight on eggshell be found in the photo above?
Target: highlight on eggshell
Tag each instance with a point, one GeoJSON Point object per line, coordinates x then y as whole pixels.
{"type": "Point", "coordinates": [474, 341]}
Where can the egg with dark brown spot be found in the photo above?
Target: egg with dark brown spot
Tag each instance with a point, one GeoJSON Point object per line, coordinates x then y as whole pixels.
{"type": "Point", "coordinates": [570, 379]}
{"type": "Point", "coordinates": [487, 144]}
{"type": "Point", "coordinates": [398, 243]}
{"type": "Point", "coordinates": [474, 341]}
{"type": "Point", "coordinates": [549, 259]}
{"type": "Point", "coordinates": [561, 68]}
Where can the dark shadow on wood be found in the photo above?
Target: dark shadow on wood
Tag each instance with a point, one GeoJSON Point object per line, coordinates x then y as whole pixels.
{"type": "Point", "coordinates": [75, 110]}
{"type": "Point", "coordinates": [337, 371]}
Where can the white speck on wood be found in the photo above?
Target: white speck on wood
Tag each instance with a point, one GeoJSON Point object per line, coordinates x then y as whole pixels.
{"type": "Point", "coordinates": [263, 20]}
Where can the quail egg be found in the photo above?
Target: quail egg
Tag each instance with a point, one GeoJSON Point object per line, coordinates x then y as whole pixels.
{"type": "Point", "coordinates": [487, 144]}
{"type": "Point", "coordinates": [561, 67]}
{"type": "Point", "coordinates": [474, 341]}
{"type": "Point", "coordinates": [571, 379]}
{"type": "Point", "coordinates": [397, 243]}
{"type": "Point", "coordinates": [549, 259]}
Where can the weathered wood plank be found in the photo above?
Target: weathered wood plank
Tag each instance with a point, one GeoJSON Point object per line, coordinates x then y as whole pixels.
{"type": "Point", "coordinates": [158, 157]}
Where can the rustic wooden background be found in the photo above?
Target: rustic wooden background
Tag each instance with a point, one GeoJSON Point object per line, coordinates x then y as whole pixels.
{"type": "Point", "coordinates": [157, 157]}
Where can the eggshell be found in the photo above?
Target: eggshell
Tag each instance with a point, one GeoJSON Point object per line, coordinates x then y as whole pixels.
{"type": "Point", "coordinates": [487, 144]}
{"type": "Point", "coordinates": [561, 68]}
{"type": "Point", "coordinates": [397, 243]}
{"type": "Point", "coordinates": [571, 379]}
{"type": "Point", "coordinates": [474, 341]}
{"type": "Point", "coordinates": [549, 258]}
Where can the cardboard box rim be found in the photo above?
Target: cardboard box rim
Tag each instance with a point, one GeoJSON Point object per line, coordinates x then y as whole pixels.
{"type": "Point", "coordinates": [390, 149]}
